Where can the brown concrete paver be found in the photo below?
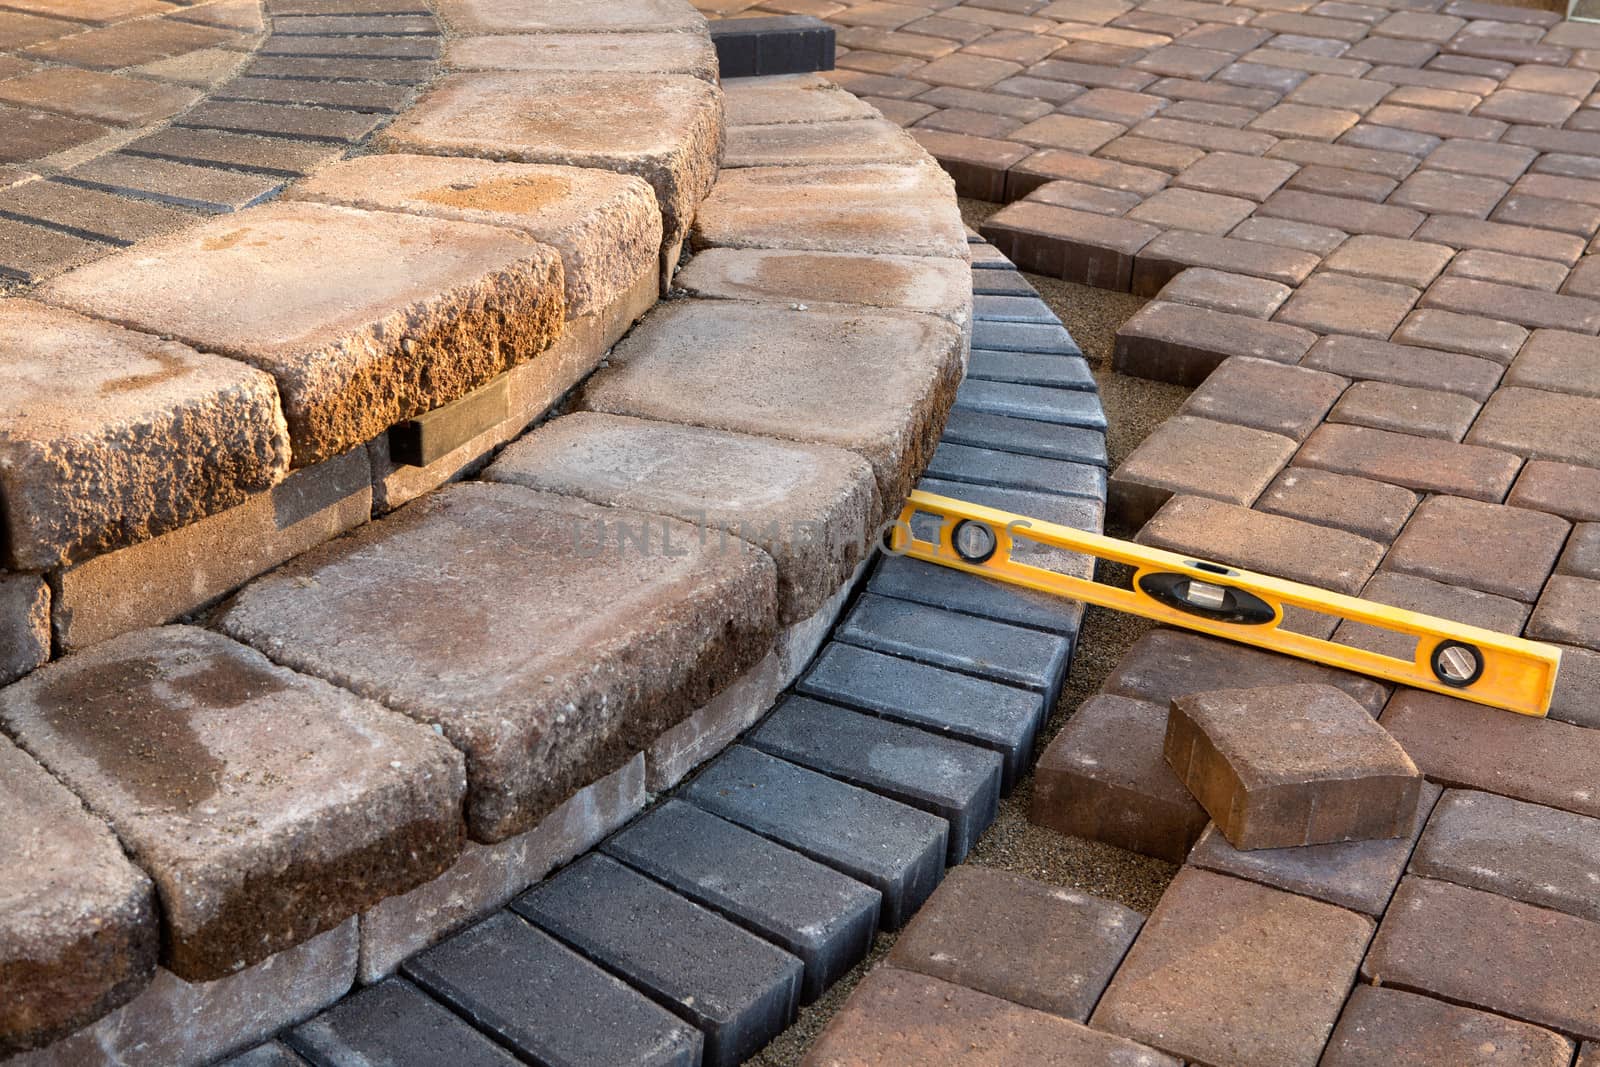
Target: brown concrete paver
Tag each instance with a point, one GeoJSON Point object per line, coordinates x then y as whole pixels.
{"type": "Point", "coordinates": [1498, 549]}
{"type": "Point", "coordinates": [1568, 611]}
{"type": "Point", "coordinates": [1341, 304]}
{"type": "Point", "coordinates": [1259, 393]}
{"type": "Point", "coordinates": [1541, 425]}
{"type": "Point", "coordinates": [1419, 463]}
{"type": "Point", "coordinates": [1374, 510]}
{"type": "Point", "coordinates": [1226, 971]}
{"type": "Point", "coordinates": [1284, 766]}
{"type": "Point", "coordinates": [1559, 488]}
{"type": "Point", "coordinates": [1456, 603]}
{"type": "Point", "coordinates": [1237, 294]}
{"type": "Point", "coordinates": [1008, 936]}
{"type": "Point", "coordinates": [1407, 1030]}
{"type": "Point", "coordinates": [1196, 456]}
{"type": "Point", "coordinates": [1181, 344]}
{"type": "Point", "coordinates": [1158, 262]}
{"type": "Point", "coordinates": [1406, 410]}
{"type": "Point", "coordinates": [1435, 939]}
{"type": "Point", "coordinates": [1450, 331]}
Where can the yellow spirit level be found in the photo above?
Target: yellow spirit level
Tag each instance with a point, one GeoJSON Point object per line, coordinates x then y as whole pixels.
{"type": "Point", "coordinates": [1451, 658]}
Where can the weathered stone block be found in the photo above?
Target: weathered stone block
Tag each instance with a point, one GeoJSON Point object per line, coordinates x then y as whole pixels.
{"type": "Point", "coordinates": [357, 336]}
{"type": "Point", "coordinates": [568, 16]}
{"type": "Point", "coordinates": [930, 284]}
{"type": "Point", "coordinates": [1393, 1026]}
{"type": "Point", "coordinates": [1281, 766]}
{"type": "Point", "coordinates": [257, 838]}
{"type": "Point", "coordinates": [24, 624]}
{"type": "Point", "coordinates": [640, 52]}
{"type": "Point", "coordinates": [109, 437]}
{"type": "Point", "coordinates": [417, 612]}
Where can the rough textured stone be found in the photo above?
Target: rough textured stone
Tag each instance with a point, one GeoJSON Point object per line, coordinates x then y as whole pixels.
{"type": "Point", "coordinates": [876, 383]}
{"type": "Point", "coordinates": [1498, 549]}
{"type": "Point", "coordinates": [486, 877]}
{"type": "Point", "coordinates": [666, 128]}
{"type": "Point", "coordinates": [1420, 463]}
{"type": "Point", "coordinates": [592, 595]}
{"type": "Point", "coordinates": [174, 1021]}
{"type": "Point", "coordinates": [1282, 766]}
{"type": "Point", "coordinates": [922, 283]}
{"type": "Point", "coordinates": [1433, 940]}
{"type": "Point", "coordinates": [256, 839]}
{"type": "Point", "coordinates": [606, 227]}
{"type": "Point", "coordinates": [809, 507]}
{"type": "Point", "coordinates": [1103, 778]}
{"type": "Point", "coordinates": [543, 1000]}
{"type": "Point", "coordinates": [1286, 400]}
{"type": "Point", "coordinates": [1392, 1026]}
{"type": "Point", "coordinates": [896, 849]}
{"type": "Point", "coordinates": [111, 437]}
{"type": "Point", "coordinates": [1230, 972]}
{"type": "Point", "coordinates": [643, 52]}
{"type": "Point", "coordinates": [394, 1021]}
{"type": "Point", "coordinates": [797, 144]}
{"type": "Point", "coordinates": [80, 931]}
{"type": "Point", "coordinates": [357, 336]}
{"type": "Point", "coordinates": [1359, 875]}
{"type": "Point", "coordinates": [24, 624]}
{"type": "Point", "coordinates": [870, 209]}
{"type": "Point", "coordinates": [166, 578]}
{"type": "Point", "coordinates": [1013, 938]}
{"type": "Point", "coordinates": [1470, 746]}
{"type": "Point", "coordinates": [1195, 456]}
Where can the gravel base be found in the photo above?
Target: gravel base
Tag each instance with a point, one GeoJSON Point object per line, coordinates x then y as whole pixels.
{"type": "Point", "coordinates": [1134, 407]}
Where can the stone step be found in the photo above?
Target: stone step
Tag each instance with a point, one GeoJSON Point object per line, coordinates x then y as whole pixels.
{"type": "Point", "coordinates": [959, 783]}
{"type": "Point", "coordinates": [737, 989]}
{"type": "Point", "coordinates": [998, 717]}
{"type": "Point", "coordinates": [815, 913]}
{"type": "Point", "coordinates": [897, 850]}
{"type": "Point", "coordinates": [257, 837]}
{"type": "Point", "coordinates": [615, 641]}
{"type": "Point", "coordinates": [393, 1022]}
{"type": "Point", "coordinates": [545, 1002]}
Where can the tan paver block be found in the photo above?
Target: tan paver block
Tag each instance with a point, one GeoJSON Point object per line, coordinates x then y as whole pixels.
{"type": "Point", "coordinates": [1236, 294]}
{"type": "Point", "coordinates": [1181, 344]}
{"type": "Point", "coordinates": [1338, 303]}
{"type": "Point", "coordinates": [1541, 425]}
{"type": "Point", "coordinates": [1189, 209]}
{"type": "Point", "coordinates": [1359, 875]}
{"type": "Point", "coordinates": [1485, 266]}
{"type": "Point", "coordinates": [1382, 162]}
{"type": "Point", "coordinates": [1499, 237]}
{"type": "Point", "coordinates": [108, 437]}
{"type": "Point", "coordinates": [1290, 765]}
{"type": "Point", "coordinates": [1424, 464]}
{"type": "Point", "coordinates": [1568, 611]}
{"type": "Point", "coordinates": [896, 1015]}
{"type": "Point", "coordinates": [932, 284]}
{"type": "Point", "coordinates": [1351, 216]}
{"type": "Point", "coordinates": [606, 226]}
{"type": "Point", "coordinates": [1560, 488]}
{"type": "Point", "coordinates": [1438, 192]}
{"type": "Point", "coordinates": [419, 610]}
{"type": "Point", "coordinates": [1166, 156]}
{"type": "Point", "coordinates": [24, 624]}
{"type": "Point", "coordinates": [872, 209]}
{"type": "Point", "coordinates": [665, 128]}
{"type": "Point", "coordinates": [1197, 456]}
{"type": "Point", "coordinates": [1178, 250]}
{"type": "Point", "coordinates": [1516, 105]}
{"type": "Point", "coordinates": [1382, 1025]}
{"type": "Point", "coordinates": [1528, 307]}
{"type": "Point", "coordinates": [670, 52]}
{"type": "Point", "coordinates": [808, 506]}
{"type": "Point", "coordinates": [568, 16]}
{"type": "Point", "coordinates": [1017, 939]}
{"type": "Point", "coordinates": [798, 144]}
{"type": "Point", "coordinates": [1288, 548]}
{"type": "Point", "coordinates": [358, 334]}
{"type": "Point", "coordinates": [1409, 262]}
{"type": "Point", "coordinates": [1403, 409]}
{"type": "Point", "coordinates": [79, 933]}
{"type": "Point", "coordinates": [1421, 368]}
{"type": "Point", "coordinates": [1103, 778]}
{"type": "Point", "coordinates": [1470, 746]}
{"type": "Point", "coordinates": [1337, 181]}
{"type": "Point", "coordinates": [257, 838]}
{"type": "Point", "coordinates": [1527, 852]}
{"type": "Point", "coordinates": [100, 97]}
{"type": "Point", "coordinates": [1226, 971]}
{"type": "Point", "coordinates": [1485, 951]}
{"type": "Point", "coordinates": [877, 383]}
{"type": "Point", "coordinates": [1498, 549]}
{"type": "Point", "coordinates": [1374, 510]}
{"type": "Point", "coordinates": [1080, 246]}
{"type": "Point", "coordinates": [1299, 120]}
{"type": "Point", "coordinates": [1236, 175]}
{"type": "Point", "coordinates": [1052, 164]}
{"type": "Point", "coordinates": [788, 98]}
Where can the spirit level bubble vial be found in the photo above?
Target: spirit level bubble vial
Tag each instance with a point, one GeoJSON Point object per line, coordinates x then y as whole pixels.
{"type": "Point", "coordinates": [1452, 658]}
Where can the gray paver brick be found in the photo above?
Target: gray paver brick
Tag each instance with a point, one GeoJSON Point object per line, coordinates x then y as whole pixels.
{"type": "Point", "coordinates": [394, 1022]}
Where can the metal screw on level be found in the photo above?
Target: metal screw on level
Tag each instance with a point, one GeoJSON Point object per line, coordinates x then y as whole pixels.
{"type": "Point", "coordinates": [1458, 663]}
{"type": "Point", "coordinates": [973, 541]}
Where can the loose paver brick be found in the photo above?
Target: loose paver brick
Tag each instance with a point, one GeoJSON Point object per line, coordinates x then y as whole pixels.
{"type": "Point", "coordinates": [1470, 746]}
{"type": "Point", "coordinates": [393, 1022]}
{"type": "Point", "coordinates": [1179, 344]}
{"type": "Point", "coordinates": [1359, 875]}
{"type": "Point", "coordinates": [815, 913]}
{"type": "Point", "coordinates": [1199, 457]}
{"type": "Point", "coordinates": [736, 988]}
{"type": "Point", "coordinates": [356, 337]}
{"type": "Point", "coordinates": [80, 932]}
{"type": "Point", "coordinates": [1102, 777]}
{"type": "Point", "coordinates": [1498, 549]}
{"type": "Point", "coordinates": [958, 782]}
{"type": "Point", "coordinates": [257, 839]}
{"type": "Point", "coordinates": [994, 716]}
{"type": "Point", "coordinates": [1392, 1026]}
{"type": "Point", "coordinates": [1434, 940]}
{"type": "Point", "coordinates": [1418, 463]}
{"type": "Point", "coordinates": [544, 1001]}
{"type": "Point", "coordinates": [575, 586]}
{"type": "Point", "coordinates": [895, 849]}
{"type": "Point", "coordinates": [1014, 938]}
{"type": "Point", "coordinates": [1281, 766]}
{"type": "Point", "coordinates": [899, 1015]}
{"type": "Point", "coordinates": [1525, 851]}
{"type": "Point", "coordinates": [877, 383]}
{"type": "Point", "coordinates": [1226, 971]}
